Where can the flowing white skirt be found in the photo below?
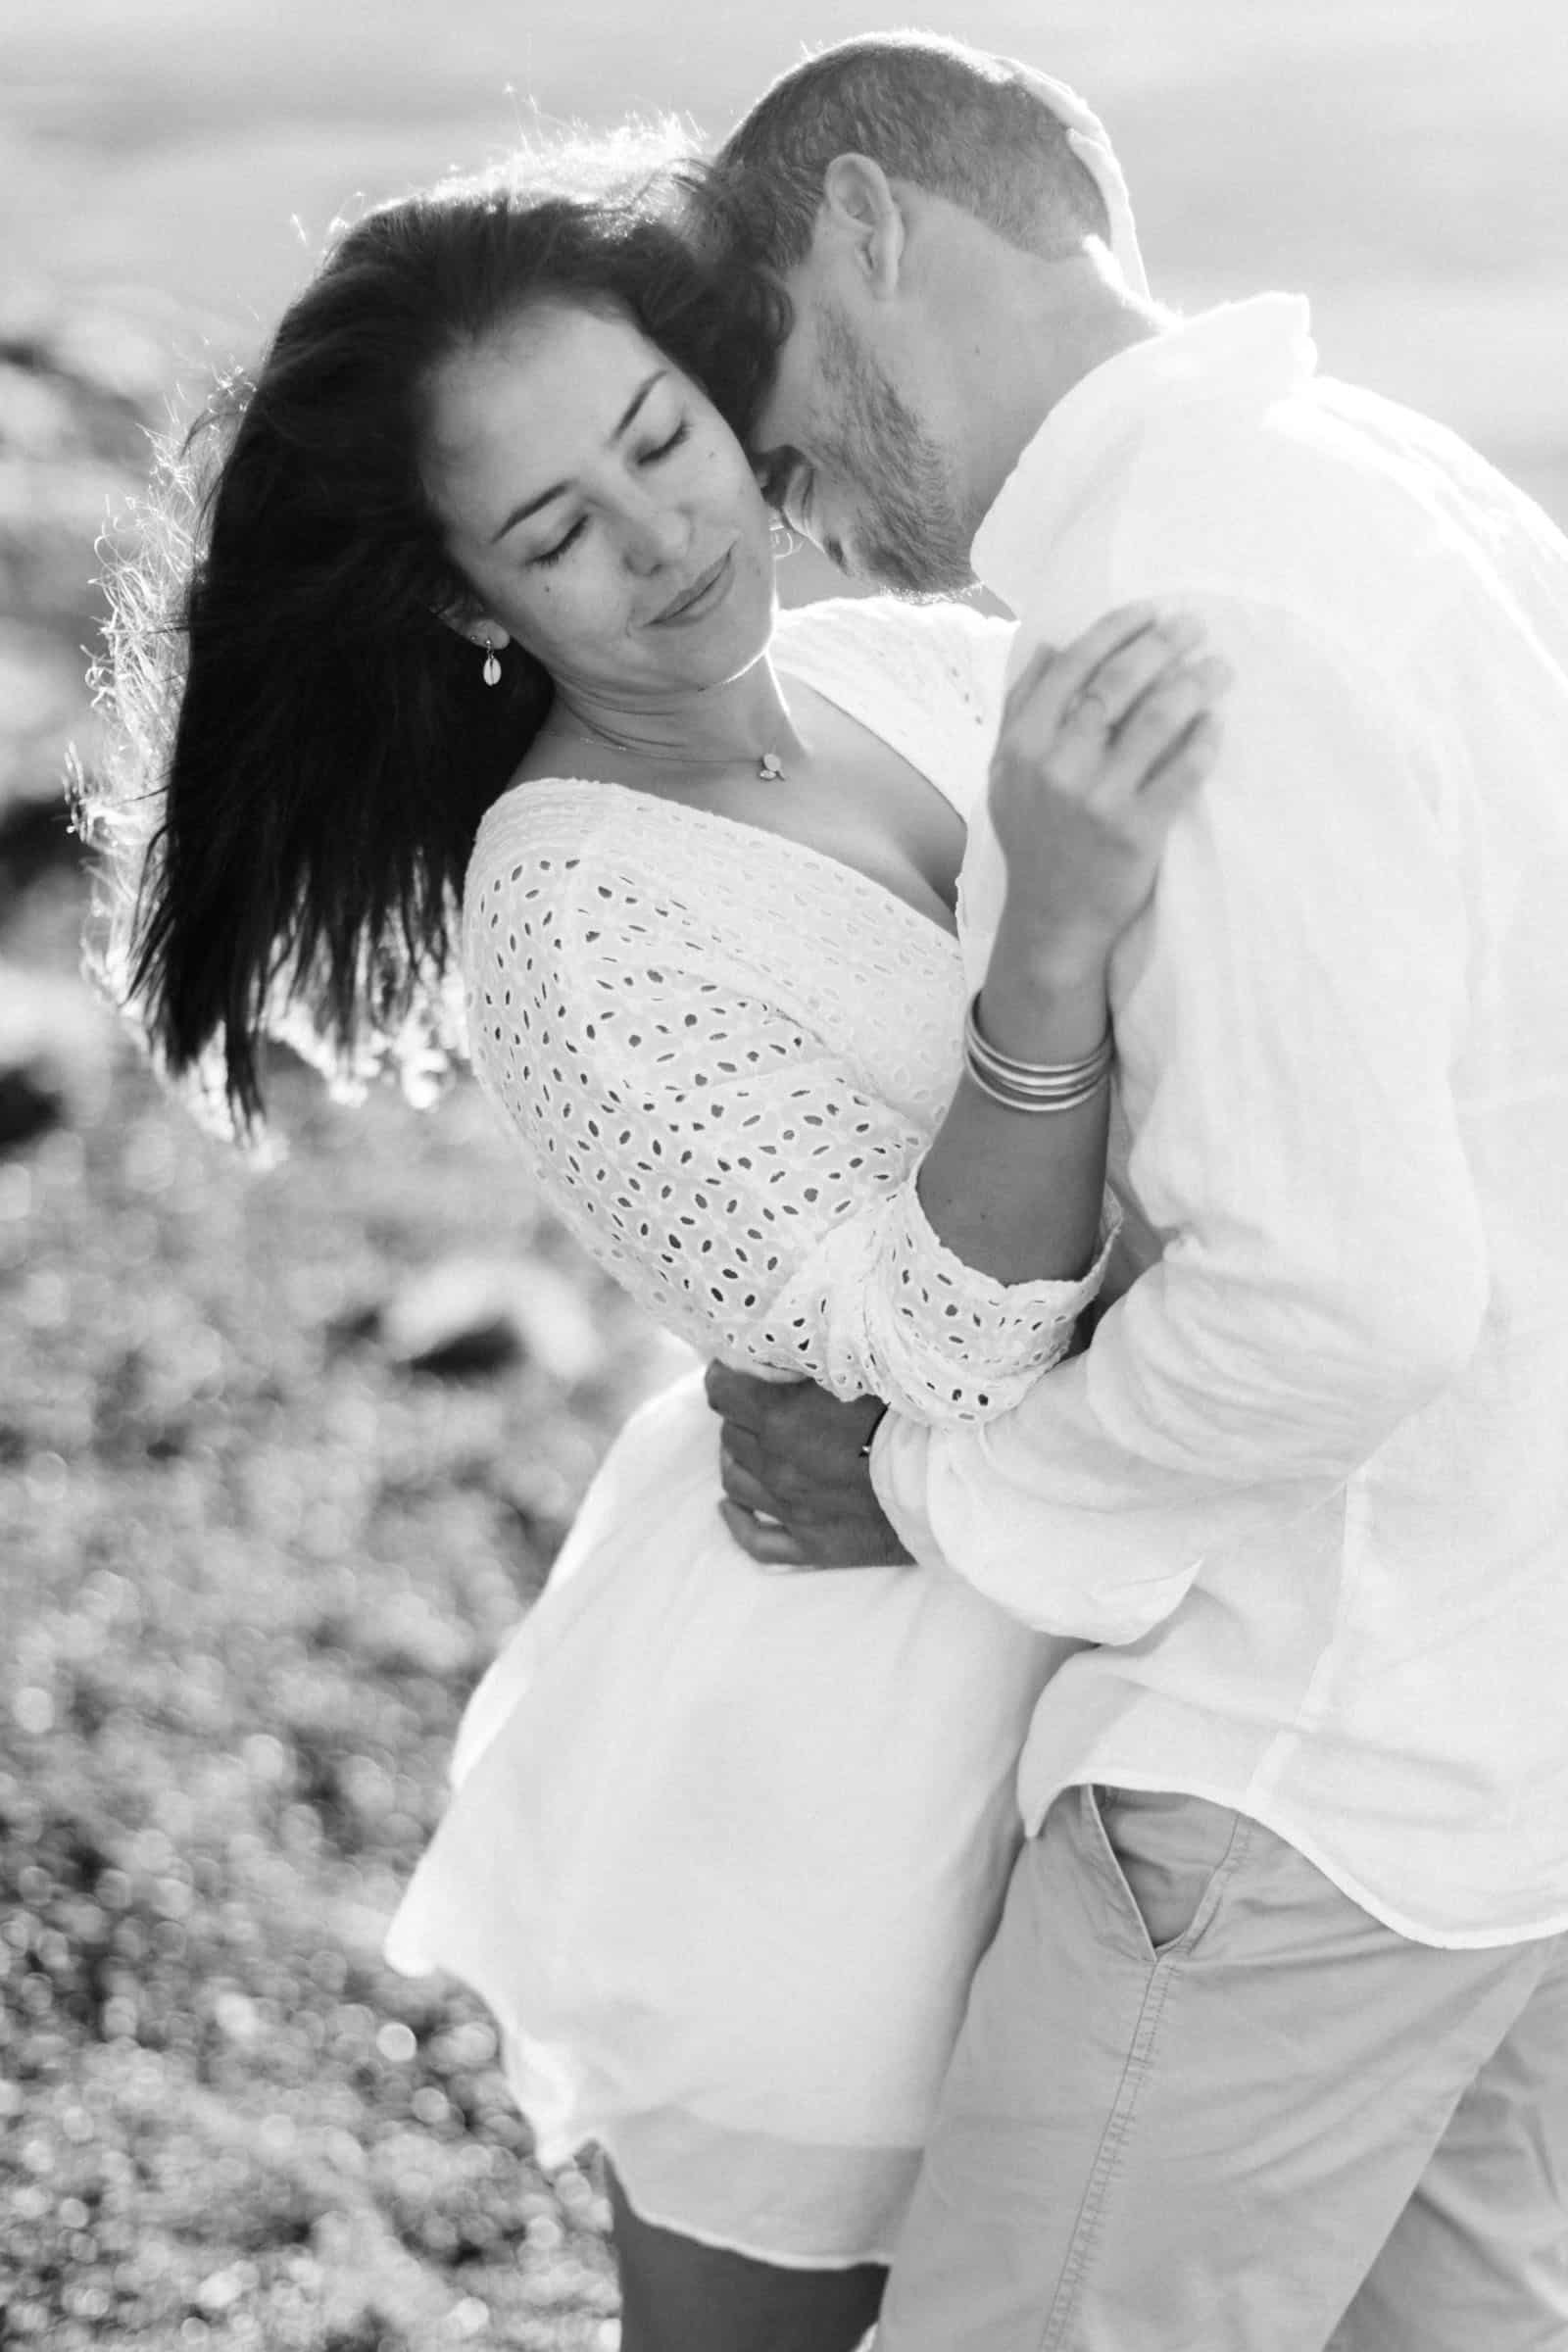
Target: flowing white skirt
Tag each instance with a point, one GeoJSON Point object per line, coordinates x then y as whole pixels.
{"type": "Point", "coordinates": [722, 1852]}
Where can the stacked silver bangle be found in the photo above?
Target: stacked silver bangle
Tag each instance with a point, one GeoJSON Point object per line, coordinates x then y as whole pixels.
{"type": "Point", "coordinates": [1033, 1086]}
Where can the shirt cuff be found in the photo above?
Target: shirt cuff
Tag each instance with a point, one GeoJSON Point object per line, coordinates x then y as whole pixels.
{"type": "Point", "coordinates": [898, 1467]}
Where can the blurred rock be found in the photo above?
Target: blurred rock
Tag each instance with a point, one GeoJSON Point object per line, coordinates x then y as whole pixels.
{"type": "Point", "coordinates": [40, 682]}
{"type": "Point", "coordinates": [55, 1049]}
{"type": "Point", "coordinates": [122, 357]}
{"type": "Point", "coordinates": [560, 1333]}
{"type": "Point", "coordinates": [29, 1104]}
{"type": "Point", "coordinates": [81, 387]}
{"type": "Point", "coordinates": [41, 707]}
{"type": "Point", "coordinates": [35, 414]}
{"type": "Point", "coordinates": [474, 1315]}
{"type": "Point", "coordinates": [454, 1316]}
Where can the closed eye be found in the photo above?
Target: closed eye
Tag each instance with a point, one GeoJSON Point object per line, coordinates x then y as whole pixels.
{"type": "Point", "coordinates": [651, 457]}
{"type": "Point", "coordinates": [647, 457]}
{"type": "Point", "coordinates": [553, 555]}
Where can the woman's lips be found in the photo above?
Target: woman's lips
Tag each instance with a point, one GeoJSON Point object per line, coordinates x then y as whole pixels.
{"type": "Point", "coordinates": [700, 598]}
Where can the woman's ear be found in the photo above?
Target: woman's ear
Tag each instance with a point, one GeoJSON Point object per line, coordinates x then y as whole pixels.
{"type": "Point", "coordinates": [862, 210]}
{"type": "Point", "coordinates": [478, 628]}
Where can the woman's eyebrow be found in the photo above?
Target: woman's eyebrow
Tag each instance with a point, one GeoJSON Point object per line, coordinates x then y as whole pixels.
{"type": "Point", "coordinates": [542, 498]}
{"type": "Point", "coordinates": [637, 399]}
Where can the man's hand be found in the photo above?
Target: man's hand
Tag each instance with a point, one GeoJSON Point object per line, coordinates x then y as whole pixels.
{"type": "Point", "coordinates": [797, 1488]}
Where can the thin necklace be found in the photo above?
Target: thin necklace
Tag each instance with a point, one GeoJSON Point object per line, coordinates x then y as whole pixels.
{"type": "Point", "coordinates": [770, 766]}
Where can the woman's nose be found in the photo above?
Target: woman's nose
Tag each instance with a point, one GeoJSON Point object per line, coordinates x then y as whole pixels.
{"type": "Point", "coordinates": [658, 535]}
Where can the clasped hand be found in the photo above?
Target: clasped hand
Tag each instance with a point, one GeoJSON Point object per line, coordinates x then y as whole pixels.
{"type": "Point", "coordinates": [798, 1490]}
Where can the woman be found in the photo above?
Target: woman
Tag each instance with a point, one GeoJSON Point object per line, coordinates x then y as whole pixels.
{"type": "Point", "coordinates": [482, 608]}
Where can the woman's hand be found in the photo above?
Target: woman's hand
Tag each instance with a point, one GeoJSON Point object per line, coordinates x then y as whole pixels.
{"type": "Point", "coordinates": [1102, 746]}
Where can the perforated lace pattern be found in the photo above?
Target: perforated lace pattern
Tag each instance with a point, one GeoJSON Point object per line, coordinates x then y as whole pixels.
{"type": "Point", "coordinates": [724, 1053]}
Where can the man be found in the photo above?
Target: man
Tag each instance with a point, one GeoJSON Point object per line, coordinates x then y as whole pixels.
{"type": "Point", "coordinates": [1272, 2044]}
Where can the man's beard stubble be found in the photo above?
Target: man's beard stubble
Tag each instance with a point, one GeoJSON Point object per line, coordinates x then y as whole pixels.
{"type": "Point", "coordinates": [910, 536]}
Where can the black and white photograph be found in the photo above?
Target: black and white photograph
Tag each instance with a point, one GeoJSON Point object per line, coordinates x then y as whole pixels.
{"type": "Point", "coordinates": [784, 1177]}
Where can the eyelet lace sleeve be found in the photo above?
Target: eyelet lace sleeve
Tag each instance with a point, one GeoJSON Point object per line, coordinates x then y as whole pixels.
{"type": "Point", "coordinates": [733, 1170]}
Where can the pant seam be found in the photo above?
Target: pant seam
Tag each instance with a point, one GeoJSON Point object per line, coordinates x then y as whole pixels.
{"type": "Point", "coordinates": [1090, 2212]}
{"type": "Point", "coordinates": [1164, 1967]}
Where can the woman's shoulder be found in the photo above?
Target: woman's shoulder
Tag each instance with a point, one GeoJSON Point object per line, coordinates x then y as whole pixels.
{"type": "Point", "coordinates": [927, 678]}
{"type": "Point", "coordinates": [935, 651]}
{"type": "Point", "coordinates": [551, 847]}
{"type": "Point", "coordinates": [887, 619]}
{"type": "Point", "coordinates": [539, 825]}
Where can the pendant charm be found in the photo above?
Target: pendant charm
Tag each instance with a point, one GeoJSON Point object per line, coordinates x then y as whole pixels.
{"type": "Point", "coordinates": [491, 674]}
{"type": "Point", "coordinates": [771, 769]}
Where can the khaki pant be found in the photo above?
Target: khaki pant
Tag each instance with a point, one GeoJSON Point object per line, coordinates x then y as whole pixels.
{"type": "Point", "coordinates": [1202, 2102]}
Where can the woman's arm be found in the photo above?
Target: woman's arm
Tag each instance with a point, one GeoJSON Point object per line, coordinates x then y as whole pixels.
{"type": "Point", "coordinates": [1099, 747]}
{"type": "Point", "coordinates": [711, 1148]}
{"type": "Point", "coordinates": [735, 1174]}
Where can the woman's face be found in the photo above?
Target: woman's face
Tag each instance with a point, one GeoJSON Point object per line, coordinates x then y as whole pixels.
{"type": "Point", "coordinates": [599, 508]}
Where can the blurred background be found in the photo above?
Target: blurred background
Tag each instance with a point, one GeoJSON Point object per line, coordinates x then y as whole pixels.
{"type": "Point", "coordinates": [284, 1450]}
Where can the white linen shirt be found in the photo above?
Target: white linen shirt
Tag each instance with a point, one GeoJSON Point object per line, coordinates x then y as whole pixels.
{"type": "Point", "coordinates": [1307, 1489]}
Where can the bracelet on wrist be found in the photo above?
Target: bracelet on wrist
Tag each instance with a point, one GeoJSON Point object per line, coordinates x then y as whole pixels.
{"type": "Point", "coordinates": [1033, 1086]}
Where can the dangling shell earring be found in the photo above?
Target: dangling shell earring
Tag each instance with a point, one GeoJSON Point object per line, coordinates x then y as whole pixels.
{"type": "Point", "coordinates": [491, 672]}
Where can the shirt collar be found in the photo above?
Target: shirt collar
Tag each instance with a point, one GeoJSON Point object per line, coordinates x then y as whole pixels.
{"type": "Point", "coordinates": [1246, 354]}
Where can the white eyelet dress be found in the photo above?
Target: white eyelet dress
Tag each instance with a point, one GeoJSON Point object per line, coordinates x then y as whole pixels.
{"type": "Point", "coordinates": [723, 1847]}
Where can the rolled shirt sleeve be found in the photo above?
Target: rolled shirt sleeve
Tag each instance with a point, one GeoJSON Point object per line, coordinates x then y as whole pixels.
{"type": "Point", "coordinates": [1287, 1017]}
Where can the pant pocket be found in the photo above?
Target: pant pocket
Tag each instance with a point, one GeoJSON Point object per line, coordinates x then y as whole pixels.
{"type": "Point", "coordinates": [1171, 1854]}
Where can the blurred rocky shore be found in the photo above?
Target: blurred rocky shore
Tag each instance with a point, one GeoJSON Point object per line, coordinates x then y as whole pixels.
{"type": "Point", "coordinates": [83, 384]}
{"type": "Point", "coordinates": [285, 1449]}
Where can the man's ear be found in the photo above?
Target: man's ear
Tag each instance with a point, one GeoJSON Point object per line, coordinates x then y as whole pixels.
{"type": "Point", "coordinates": [862, 211]}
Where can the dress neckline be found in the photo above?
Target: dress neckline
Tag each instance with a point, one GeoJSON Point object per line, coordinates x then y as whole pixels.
{"type": "Point", "coordinates": [681, 811]}
{"type": "Point", "coordinates": [536, 786]}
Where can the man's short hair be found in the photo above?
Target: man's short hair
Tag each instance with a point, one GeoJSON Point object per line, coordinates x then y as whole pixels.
{"type": "Point", "coordinates": [942, 116]}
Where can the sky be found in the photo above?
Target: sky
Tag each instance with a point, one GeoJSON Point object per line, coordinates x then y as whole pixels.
{"type": "Point", "coordinates": [1401, 161]}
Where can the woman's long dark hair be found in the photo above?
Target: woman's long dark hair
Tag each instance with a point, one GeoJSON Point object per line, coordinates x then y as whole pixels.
{"type": "Point", "coordinates": [299, 750]}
